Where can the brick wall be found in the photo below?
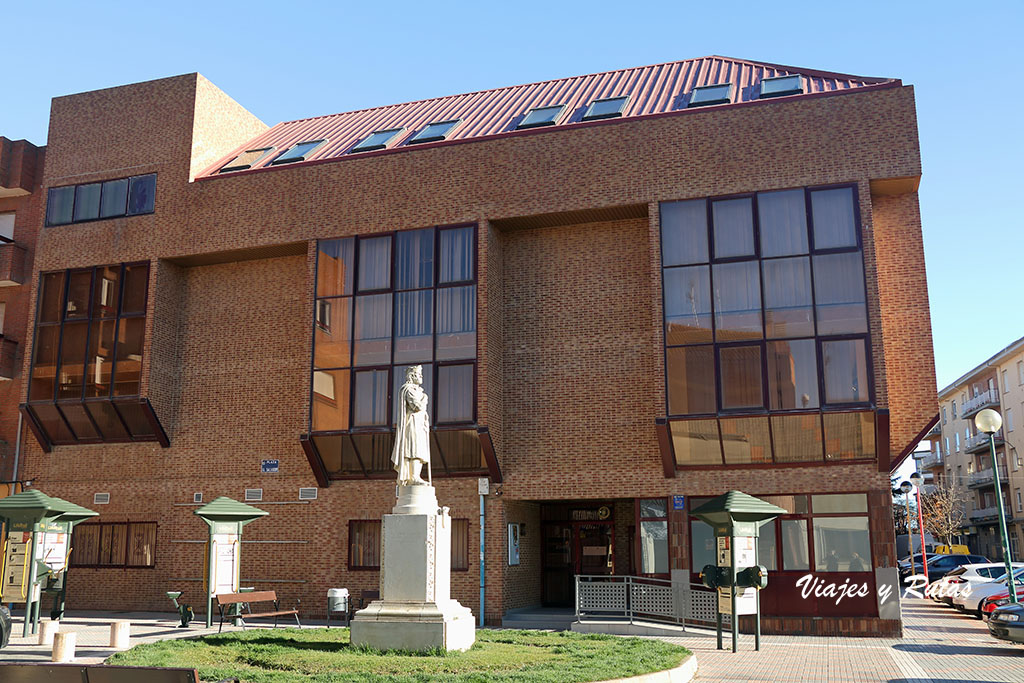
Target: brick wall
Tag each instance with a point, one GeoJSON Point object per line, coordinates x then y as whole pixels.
{"type": "Point", "coordinates": [569, 335]}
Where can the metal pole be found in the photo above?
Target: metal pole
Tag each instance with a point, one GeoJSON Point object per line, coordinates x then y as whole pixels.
{"type": "Point", "coordinates": [482, 583]}
{"type": "Point", "coordinates": [1002, 522]}
{"type": "Point", "coordinates": [920, 528]}
{"type": "Point", "coordinates": [31, 560]}
{"type": "Point", "coordinates": [718, 620]}
{"type": "Point", "coordinates": [757, 602]}
{"type": "Point", "coordinates": [732, 592]}
{"type": "Point", "coordinates": [910, 535]}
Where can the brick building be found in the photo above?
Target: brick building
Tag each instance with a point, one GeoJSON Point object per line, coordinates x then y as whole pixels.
{"type": "Point", "coordinates": [962, 456]}
{"type": "Point", "coordinates": [625, 287]}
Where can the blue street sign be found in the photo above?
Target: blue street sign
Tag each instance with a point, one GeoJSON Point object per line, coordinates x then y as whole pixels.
{"type": "Point", "coordinates": [269, 466]}
{"type": "Point", "coordinates": [678, 502]}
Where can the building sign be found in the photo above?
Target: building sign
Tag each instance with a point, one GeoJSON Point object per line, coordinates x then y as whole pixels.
{"type": "Point", "coordinates": [678, 502]}
{"type": "Point", "coordinates": [269, 466]}
{"type": "Point", "coordinates": [513, 545]}
{"type": "Point", "coordinates": [744, 548]}
{"type": "Point", "coordinates": [226, 550]}
{"type": "Point", "coordinates": [600, 514]}
{"type": "Point", "coordinates": [53, 549]}
{"type": "Point", "coordinates": [15, 580]}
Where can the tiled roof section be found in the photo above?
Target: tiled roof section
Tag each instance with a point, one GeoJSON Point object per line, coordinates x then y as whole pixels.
{"type": "Point", "coordinates": [653, 89]}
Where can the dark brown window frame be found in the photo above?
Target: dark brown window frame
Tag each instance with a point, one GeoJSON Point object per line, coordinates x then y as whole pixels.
{"type": "Point", "coordinates": [124, 563]}
{"type": "Point", "coordinates": [808, 516]}
{"type": "Point", "coordinates": [74, 192]}
{"type": "Point", "coordinates": [380, 536]}
{"type": "Point", "coordinates": [716, 345]}
{"type": "Point", "coordinates": [469, 545]}
{"type": "Point", "coordinates": [434, 364]}
{"type": "Point", "coordinates": [61, 404]}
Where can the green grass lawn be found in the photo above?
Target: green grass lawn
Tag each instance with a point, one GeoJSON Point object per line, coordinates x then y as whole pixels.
{"type": "Point", "coordinates": [287, 655]}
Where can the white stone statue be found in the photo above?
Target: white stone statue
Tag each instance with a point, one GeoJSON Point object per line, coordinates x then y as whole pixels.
{"type": "Point", "coordinates": [412, 431]}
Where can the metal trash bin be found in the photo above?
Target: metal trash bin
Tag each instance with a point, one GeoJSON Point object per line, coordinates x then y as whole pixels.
{"type": "Point", "coordinates": [337, 603]}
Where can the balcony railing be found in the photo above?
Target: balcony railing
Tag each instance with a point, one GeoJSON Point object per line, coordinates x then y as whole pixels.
{"type": "Point", "coordinates": [986, 478]}
{"type": "Point", "coordinates": [979, 442]}
{"type": "Point", "coordinates": [935, 433]}
{"type": "Point", "coordinates": [12, 264]}
{"type": "Point", "coordinates": [8, 350]}
{"type": "Point", "coordinates": [987, 514]}
{"type": "Point", "coordinates": [931, 460]}
{"type": "Point", "coordinates": [986, 399]}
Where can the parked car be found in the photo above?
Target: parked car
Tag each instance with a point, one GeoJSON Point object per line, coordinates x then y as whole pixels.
{"type": "Point", "coordinates": [940, 565]}
{"type": "Point", "coordinates": [1007, 623]}
{"type": "Point", "coordinates": [972, 601]}
{"type": "Point", "coordinates": [5, 625]}
{"type": "Point", "coordinates": [967, 576]}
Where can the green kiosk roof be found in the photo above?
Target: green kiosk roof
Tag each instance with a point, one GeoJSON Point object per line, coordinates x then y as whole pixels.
{"type": "Point", "coordinates": [226, 509]}
{"type": "Point", "coordinates": [34, 505]}
{"type": "Point", "coordinates": [736, 506]}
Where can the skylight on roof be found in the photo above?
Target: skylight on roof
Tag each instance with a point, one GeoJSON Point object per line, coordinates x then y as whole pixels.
{"type": "Point", "coordinates": [605, 109]}
{"type": "Point", "coordinates": [434, 132]}
{"type": "Point", "coordinates": [299, 152]}
{"type": "Point", "coordinates": [711, 94]}
{"type": "Point", "coordinates": [541, 116]}
{"type": "Point", "coordinates": [246, 159]}
{"type": "Point", "coordinates": [782, 85]}
{"type": "Point", "coordinates": [378, 139]}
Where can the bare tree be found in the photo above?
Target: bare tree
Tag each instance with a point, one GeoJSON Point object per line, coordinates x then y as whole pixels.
{"type": "Point", "coordinates": [943, 510]}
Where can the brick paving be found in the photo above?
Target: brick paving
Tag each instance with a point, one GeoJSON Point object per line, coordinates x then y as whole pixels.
{"type": "Point", "coordinates": [939, 644]}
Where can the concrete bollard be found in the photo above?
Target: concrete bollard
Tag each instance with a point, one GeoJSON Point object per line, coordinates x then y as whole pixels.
{"type": "Point", "coordinates": [47, 629]}
{"type": "Point", "coordinates": [120, 631]}
{"type": "Point", "coordinates": [64, 647]}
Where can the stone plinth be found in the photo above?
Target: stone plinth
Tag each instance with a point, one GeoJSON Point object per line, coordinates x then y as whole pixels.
{"type": "Point", "coordinates": [415, 610]}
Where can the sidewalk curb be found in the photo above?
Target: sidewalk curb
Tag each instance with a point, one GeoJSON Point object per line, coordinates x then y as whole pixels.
{"type": "Point", "coordinates": [684, 673]}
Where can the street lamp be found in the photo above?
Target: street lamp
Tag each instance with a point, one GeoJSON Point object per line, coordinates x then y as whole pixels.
{"type": "Point", "coordinates": [907, 487]}
{"type": "Point", "coordinates": [989, 422]}
{"type": "Point", "coordinates": [917, 480]}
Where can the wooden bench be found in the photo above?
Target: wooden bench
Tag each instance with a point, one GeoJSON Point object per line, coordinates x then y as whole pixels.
{"type": "Point", "coordinates": [78, 673]}
{"type": "Point", "coordinates": [245, 600]}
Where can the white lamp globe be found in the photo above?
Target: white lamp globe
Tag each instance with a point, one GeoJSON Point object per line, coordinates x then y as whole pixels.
{"type": "Point", "coordinates": [988, 421]}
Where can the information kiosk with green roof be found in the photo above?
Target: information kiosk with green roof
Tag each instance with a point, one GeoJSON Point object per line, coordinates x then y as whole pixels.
{"type": "Point", "coordinates": [736, 519]}
{"type": "Point", "coordinates": [38, 527]}
{"type": "Point", "coordinates": [225, 518]}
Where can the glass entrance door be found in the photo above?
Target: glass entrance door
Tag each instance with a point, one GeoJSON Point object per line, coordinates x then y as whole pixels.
{"type": "Point", "coordinates": [595, 544]}
{"type": "Point", "coordinates": [574, 548]}
{"type": "Point", "coordinates": [559, 565]}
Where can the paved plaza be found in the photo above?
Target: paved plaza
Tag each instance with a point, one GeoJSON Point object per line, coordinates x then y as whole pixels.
{"type": "Point", "coordinates": [939, 644]}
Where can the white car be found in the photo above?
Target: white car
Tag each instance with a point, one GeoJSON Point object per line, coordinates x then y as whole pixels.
{"type": "Point", "coordinates": [972, 601]}
{"type": "Point", "coordinates": [967, 576]}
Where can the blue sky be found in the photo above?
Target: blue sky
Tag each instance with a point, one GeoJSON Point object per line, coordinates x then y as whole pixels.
{"type": "Point", "coordinates": [299, 59]}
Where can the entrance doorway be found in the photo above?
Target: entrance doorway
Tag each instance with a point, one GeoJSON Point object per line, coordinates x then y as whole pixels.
{"type": "Point", "coordinates": [572, 548]}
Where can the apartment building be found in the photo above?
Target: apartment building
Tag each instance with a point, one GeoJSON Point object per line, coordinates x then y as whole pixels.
{"type": "Point", "coordinates": [963, 455]}
{"type": "Point", "coordinates": [629, 292]}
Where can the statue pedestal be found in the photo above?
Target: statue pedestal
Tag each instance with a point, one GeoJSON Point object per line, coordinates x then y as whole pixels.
{"type": "Point", "coordinates": [415, 610]}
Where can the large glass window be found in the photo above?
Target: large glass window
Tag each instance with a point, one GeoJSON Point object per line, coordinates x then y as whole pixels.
{"type": "Point", "coordinates": [765, 312]}
{"type": "Point", "coordinates": [384, 303]}
{"type": "Point", "coordinates": [829, 533]}
{"type": "Point", "coordinates": [653, 534]}
{"type": "Point", "coordinates": [110, 199]}
{"type": "Point", "coordinates": [89, 347]}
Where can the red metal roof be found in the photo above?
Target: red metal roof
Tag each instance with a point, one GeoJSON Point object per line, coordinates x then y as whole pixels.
{"type": "Point", "coordinates": [656, 89]}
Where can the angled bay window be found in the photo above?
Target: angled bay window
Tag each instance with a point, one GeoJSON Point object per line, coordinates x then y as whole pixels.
{"type": "Point", "coordinates": [85, 381]}
{"type": "Point", "coordinates": [767, 353]}
{"type": "Point", "coordinates": [383, 303]}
